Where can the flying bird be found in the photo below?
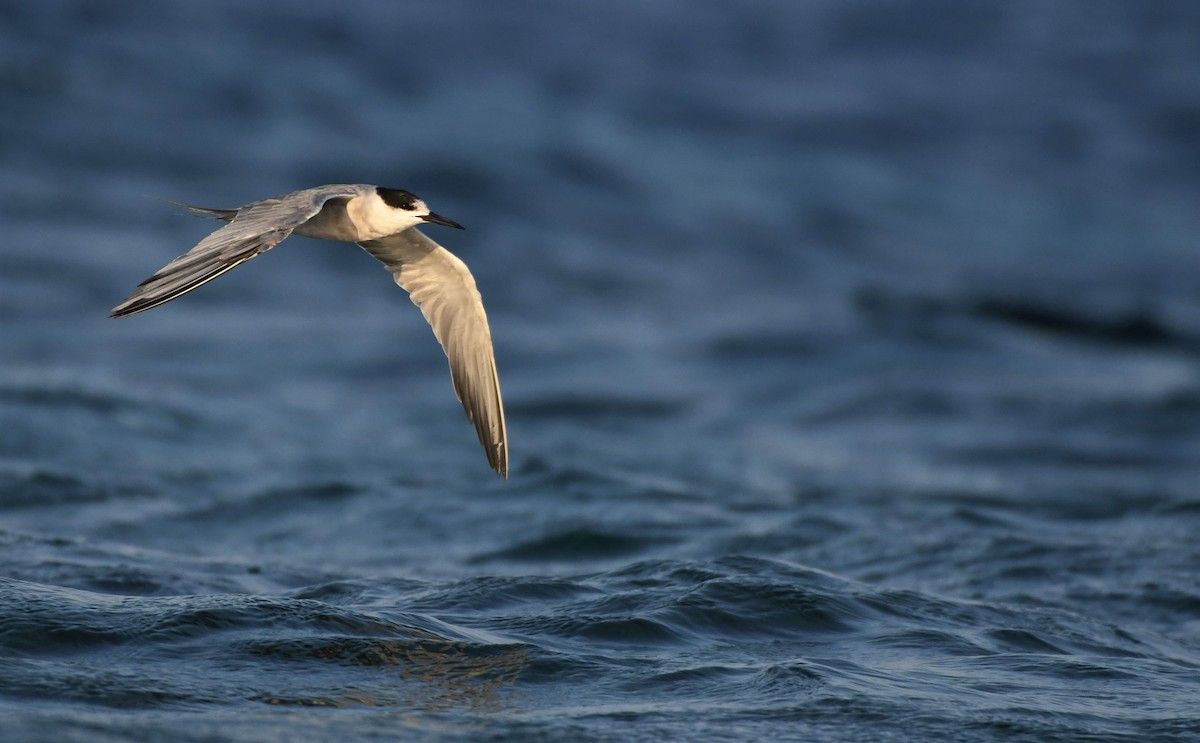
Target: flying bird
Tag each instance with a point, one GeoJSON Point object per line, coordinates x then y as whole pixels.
{"type": "Point", "coordinates": [383, 222]}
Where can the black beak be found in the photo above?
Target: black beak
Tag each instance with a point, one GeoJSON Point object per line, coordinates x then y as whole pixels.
{"type": "Point", "coordinates": [435, 219]}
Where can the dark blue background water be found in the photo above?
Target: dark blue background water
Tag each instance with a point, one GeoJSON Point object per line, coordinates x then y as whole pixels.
{"type": "Point", "coordinates": [851, 352]}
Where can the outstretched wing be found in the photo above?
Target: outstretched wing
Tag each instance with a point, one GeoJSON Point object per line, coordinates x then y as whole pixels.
{"type": "Point", "coordinates": [442, 287]}
{"type": "Point", "coordinates": [253, 229]}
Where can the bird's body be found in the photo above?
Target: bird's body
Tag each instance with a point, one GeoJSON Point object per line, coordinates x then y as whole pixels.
{"type": "Point", "coordinates": [382, 221]}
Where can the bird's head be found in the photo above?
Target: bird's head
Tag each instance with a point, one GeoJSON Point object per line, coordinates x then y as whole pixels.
{"type": "Point", "coordinates": [408, 210]}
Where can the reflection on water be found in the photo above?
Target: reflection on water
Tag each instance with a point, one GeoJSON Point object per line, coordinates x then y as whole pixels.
{"type": "Point", "coordinates": [430, 676]}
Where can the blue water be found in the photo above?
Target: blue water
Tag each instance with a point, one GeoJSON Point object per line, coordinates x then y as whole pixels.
{"type": "Point", "coordinates": [851, 352]}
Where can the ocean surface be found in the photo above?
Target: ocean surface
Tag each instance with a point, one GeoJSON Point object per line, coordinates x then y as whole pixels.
{"type": "Point", "coordinates": [851, 352]}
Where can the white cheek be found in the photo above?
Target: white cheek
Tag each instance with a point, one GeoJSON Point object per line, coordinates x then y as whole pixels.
{"type": "Point", "coordinates": [398, 221]}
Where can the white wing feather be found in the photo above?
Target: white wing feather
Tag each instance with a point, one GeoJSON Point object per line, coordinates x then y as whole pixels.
{"type": "Point", "coordinates": [442, 287]}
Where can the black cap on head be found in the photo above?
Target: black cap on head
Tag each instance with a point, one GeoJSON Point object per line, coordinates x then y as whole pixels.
{"type": "Point", "coordinates": [397, 198]}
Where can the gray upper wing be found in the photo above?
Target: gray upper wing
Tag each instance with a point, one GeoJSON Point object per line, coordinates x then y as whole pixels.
{"type": "Point", "coordinates": [254, 229]}
{"type": "Point", "coordinates": [442, 287]}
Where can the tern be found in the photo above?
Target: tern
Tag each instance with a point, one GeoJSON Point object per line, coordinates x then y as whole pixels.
{"type": "Point", "coordinates": [383, 222]}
